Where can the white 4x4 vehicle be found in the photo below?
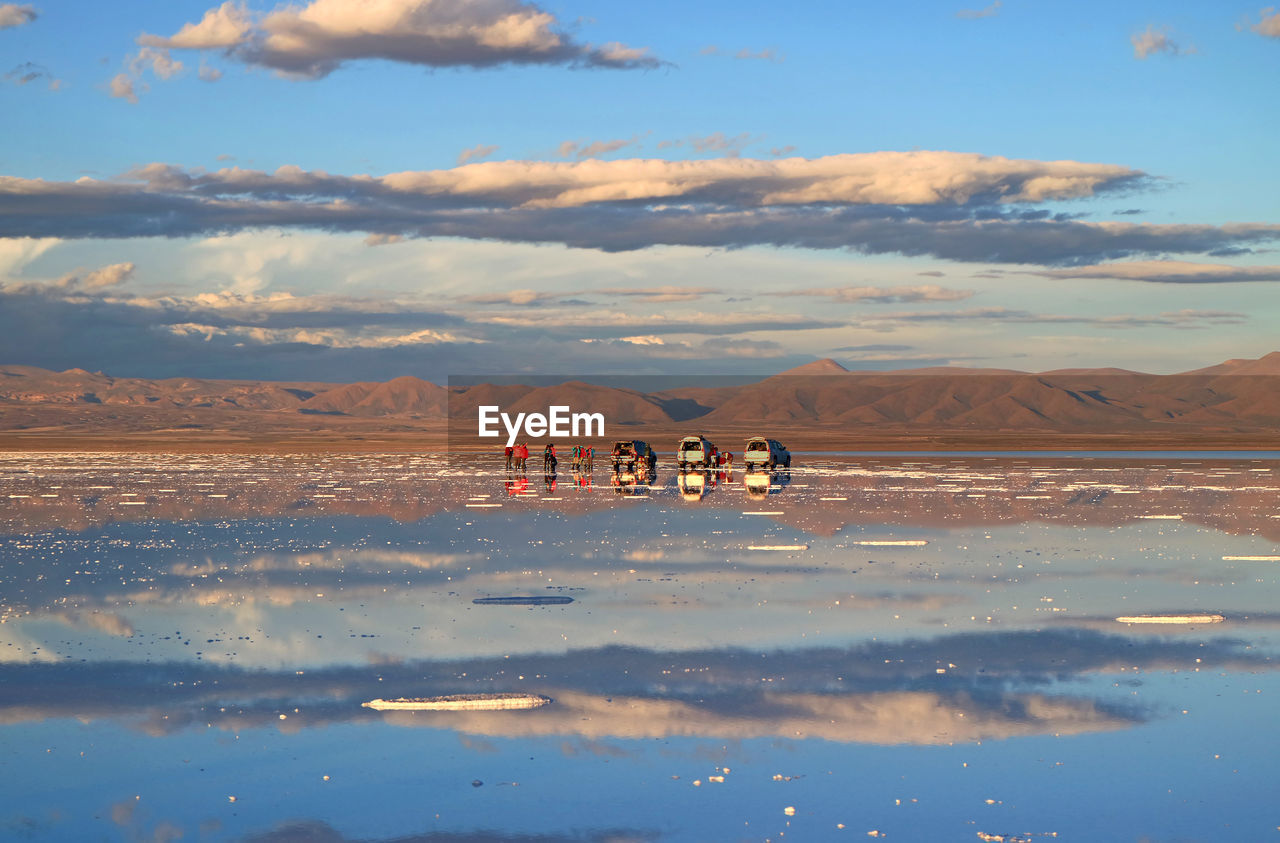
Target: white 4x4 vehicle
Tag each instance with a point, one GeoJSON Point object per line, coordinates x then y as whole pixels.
{"type": "Point", "coordinates": [695, 451]}
{"type": "Point", "coordinates": [766, 452]}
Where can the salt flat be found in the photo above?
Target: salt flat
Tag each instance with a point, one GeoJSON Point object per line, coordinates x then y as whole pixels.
{"type": "Point", "coordinates": [877, 646]}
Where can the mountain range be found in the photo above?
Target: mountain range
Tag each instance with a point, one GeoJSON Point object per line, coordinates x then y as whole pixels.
{"type": "Point", "coordinates": [1237, 396]}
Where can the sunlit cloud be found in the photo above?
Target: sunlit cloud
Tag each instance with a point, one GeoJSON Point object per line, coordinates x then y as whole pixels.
{"type": "Point", "coordinates": [479, 152]}
{"type": "Point", "coordinates": [312, 40]}
{"type": "Point", "coordinates": [1180, 318]}
{"type": "Point", "coordinates": [1155, 40]}
{"type": "Point", "coordinates": [955, 206]}
{"type": "Point", "coordinates": [582, 149]}
{"type": "Point", "coordinates": [13, 14]}
{"type": "Point", "coordinates": [1269, 23]}
{"type": "Point", "coordinates": [1168, 272]}
{"type": "Point", "coordinates": [883, 295]}
{"type": "Point", "coordinates": [986, 12]}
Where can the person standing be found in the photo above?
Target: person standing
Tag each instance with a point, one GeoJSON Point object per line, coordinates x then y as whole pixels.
{"type": "Point", "coordinates": [510, 453]}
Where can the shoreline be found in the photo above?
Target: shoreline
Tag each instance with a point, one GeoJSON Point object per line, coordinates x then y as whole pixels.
{"type": "Point", "coordinates": [436, 440]}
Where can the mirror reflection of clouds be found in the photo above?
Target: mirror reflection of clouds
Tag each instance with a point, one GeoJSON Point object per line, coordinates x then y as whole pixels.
{"type": "Point", "coordinates": [188, 605]}
{"type": "Point", "coordinates": [301, 569]}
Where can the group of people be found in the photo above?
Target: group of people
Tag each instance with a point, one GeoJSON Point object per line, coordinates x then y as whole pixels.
{"type": "Point", "coordinates": [584, 457]}
{"type": "Point", "coordinates": [518, 457]}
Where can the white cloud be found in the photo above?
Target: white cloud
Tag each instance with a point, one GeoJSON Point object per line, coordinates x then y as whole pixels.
{"type": "Point", "coordinates": [226, 26]}
{"type": "Point", "coordinates": [74, 283]}
{"type": "Point", "coordinates": [1168, 272]}
{"type": "Point", "coordinates": [745, 53]}
{"type": "Point", "coordinates": [1154, 41]}
{"type": "Point", "coordinates": [17, 252]}
{"type": "Point", "coordinates": [128, 85]}
{"type": "Point", "coordinates": [619, 323]}
{"type": "Point", "coordinates": [1269, 25]}
{"type": "Point", "coordinates": [121, 87]}
{"type": "Point", "coordinates": [582, 150]}
{"type": "Point", "coordinates": [313, 39]}
{"type": "Point", "coordinates": [949, 205]}
{"type": "Point", "coordinates": [158, 61]}
{"type": "Point", "coordinates": [662, 294]}
{"type": "Point", "coordinates": [767, 54]}
{"type": "Point", "coordinates": [383, 239]}
{"type": "Point", "coordinates": [107, 276]}
{"type": "Point", "coordinates": [328, 337]}
{"type": "Point", "coordinates": [511, 297]}
{"type": "Point", "coordinates": [1186, 318]}
{"type": "Point", "coordinates": [731, 146]}
{"type": "Point", "coordinates": [11, 15]}
{"type": "Point", "coordinates": [251, 260]}
{"type": "Point", "coordinates": [915, 178]}
{"type": "Point", "coordinates": [986, 12]}
{"type": "Point", "coordinates": [884, 295]}
{"type": "Point", "coordinates": [476, 153]}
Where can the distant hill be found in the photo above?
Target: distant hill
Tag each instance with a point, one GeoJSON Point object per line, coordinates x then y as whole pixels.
{"type": "Point", "coordinates": [1268, 364]}
{"type": "Point", "coordinates": [1234, 396]}
{"type": "Point", "coordinates": [403, 396]}
{"type": "Point", "coordinates": [28, 384]}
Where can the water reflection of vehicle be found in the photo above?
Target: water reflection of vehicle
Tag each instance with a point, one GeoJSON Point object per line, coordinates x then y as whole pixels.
{"type": "Point", "coordinates": [695, 485]}
{"type": "Point", "coordinates": [760, 484]}
{"type": "Point", "coordinates": [633, 482]}
{"type": "Point", "coordinates": [695, 451]}
{"type": "Point", "coordinates": [766, 452]}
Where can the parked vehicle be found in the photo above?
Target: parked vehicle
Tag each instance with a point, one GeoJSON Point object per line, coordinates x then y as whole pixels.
{"type": "Point", "coordinates": [766, 452]}
{"type": "Point", "coordinates": [633, 454]}
{"type": "Point", "coordinates": [695, 451]}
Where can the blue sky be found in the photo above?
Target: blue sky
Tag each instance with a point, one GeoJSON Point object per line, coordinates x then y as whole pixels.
{"type": "Point", "coordinates": [1022, 185]}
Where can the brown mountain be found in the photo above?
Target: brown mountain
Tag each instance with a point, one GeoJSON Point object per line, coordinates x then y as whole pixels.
{"type": "Point", "coordinates": [1238, 396]}
{"type": "Point", "coordinates": [403, 396]}
{"type": "Point", "coordinates": [31, 385]}
{"type": "Point", "coordinates": [1268, 364]}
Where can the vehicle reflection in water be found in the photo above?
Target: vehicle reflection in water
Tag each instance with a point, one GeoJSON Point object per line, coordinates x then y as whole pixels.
{"type": "Point", "coordinates": [634, 483]}
{"type": "Point", "coordinates": [760, 483]}
{"type": "Point", "coordinates": [695, 484]}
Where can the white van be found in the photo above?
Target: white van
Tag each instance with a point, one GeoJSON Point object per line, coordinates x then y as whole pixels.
{"type": "Point", "coordinates": [695, 451]}
{"type": "Point", "coordinates": [766, 452]}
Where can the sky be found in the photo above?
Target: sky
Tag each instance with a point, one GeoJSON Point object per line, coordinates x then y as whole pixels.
{"type": "Point", "coordinates": [350, 190]}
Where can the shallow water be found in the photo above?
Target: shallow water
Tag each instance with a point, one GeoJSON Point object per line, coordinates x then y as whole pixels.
{"type": "Point", "coordinates": [926, 647]}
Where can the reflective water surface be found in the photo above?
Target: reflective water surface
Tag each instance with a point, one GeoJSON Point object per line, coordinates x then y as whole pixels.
{"type": "Point", "coordinates": [922, 648]}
